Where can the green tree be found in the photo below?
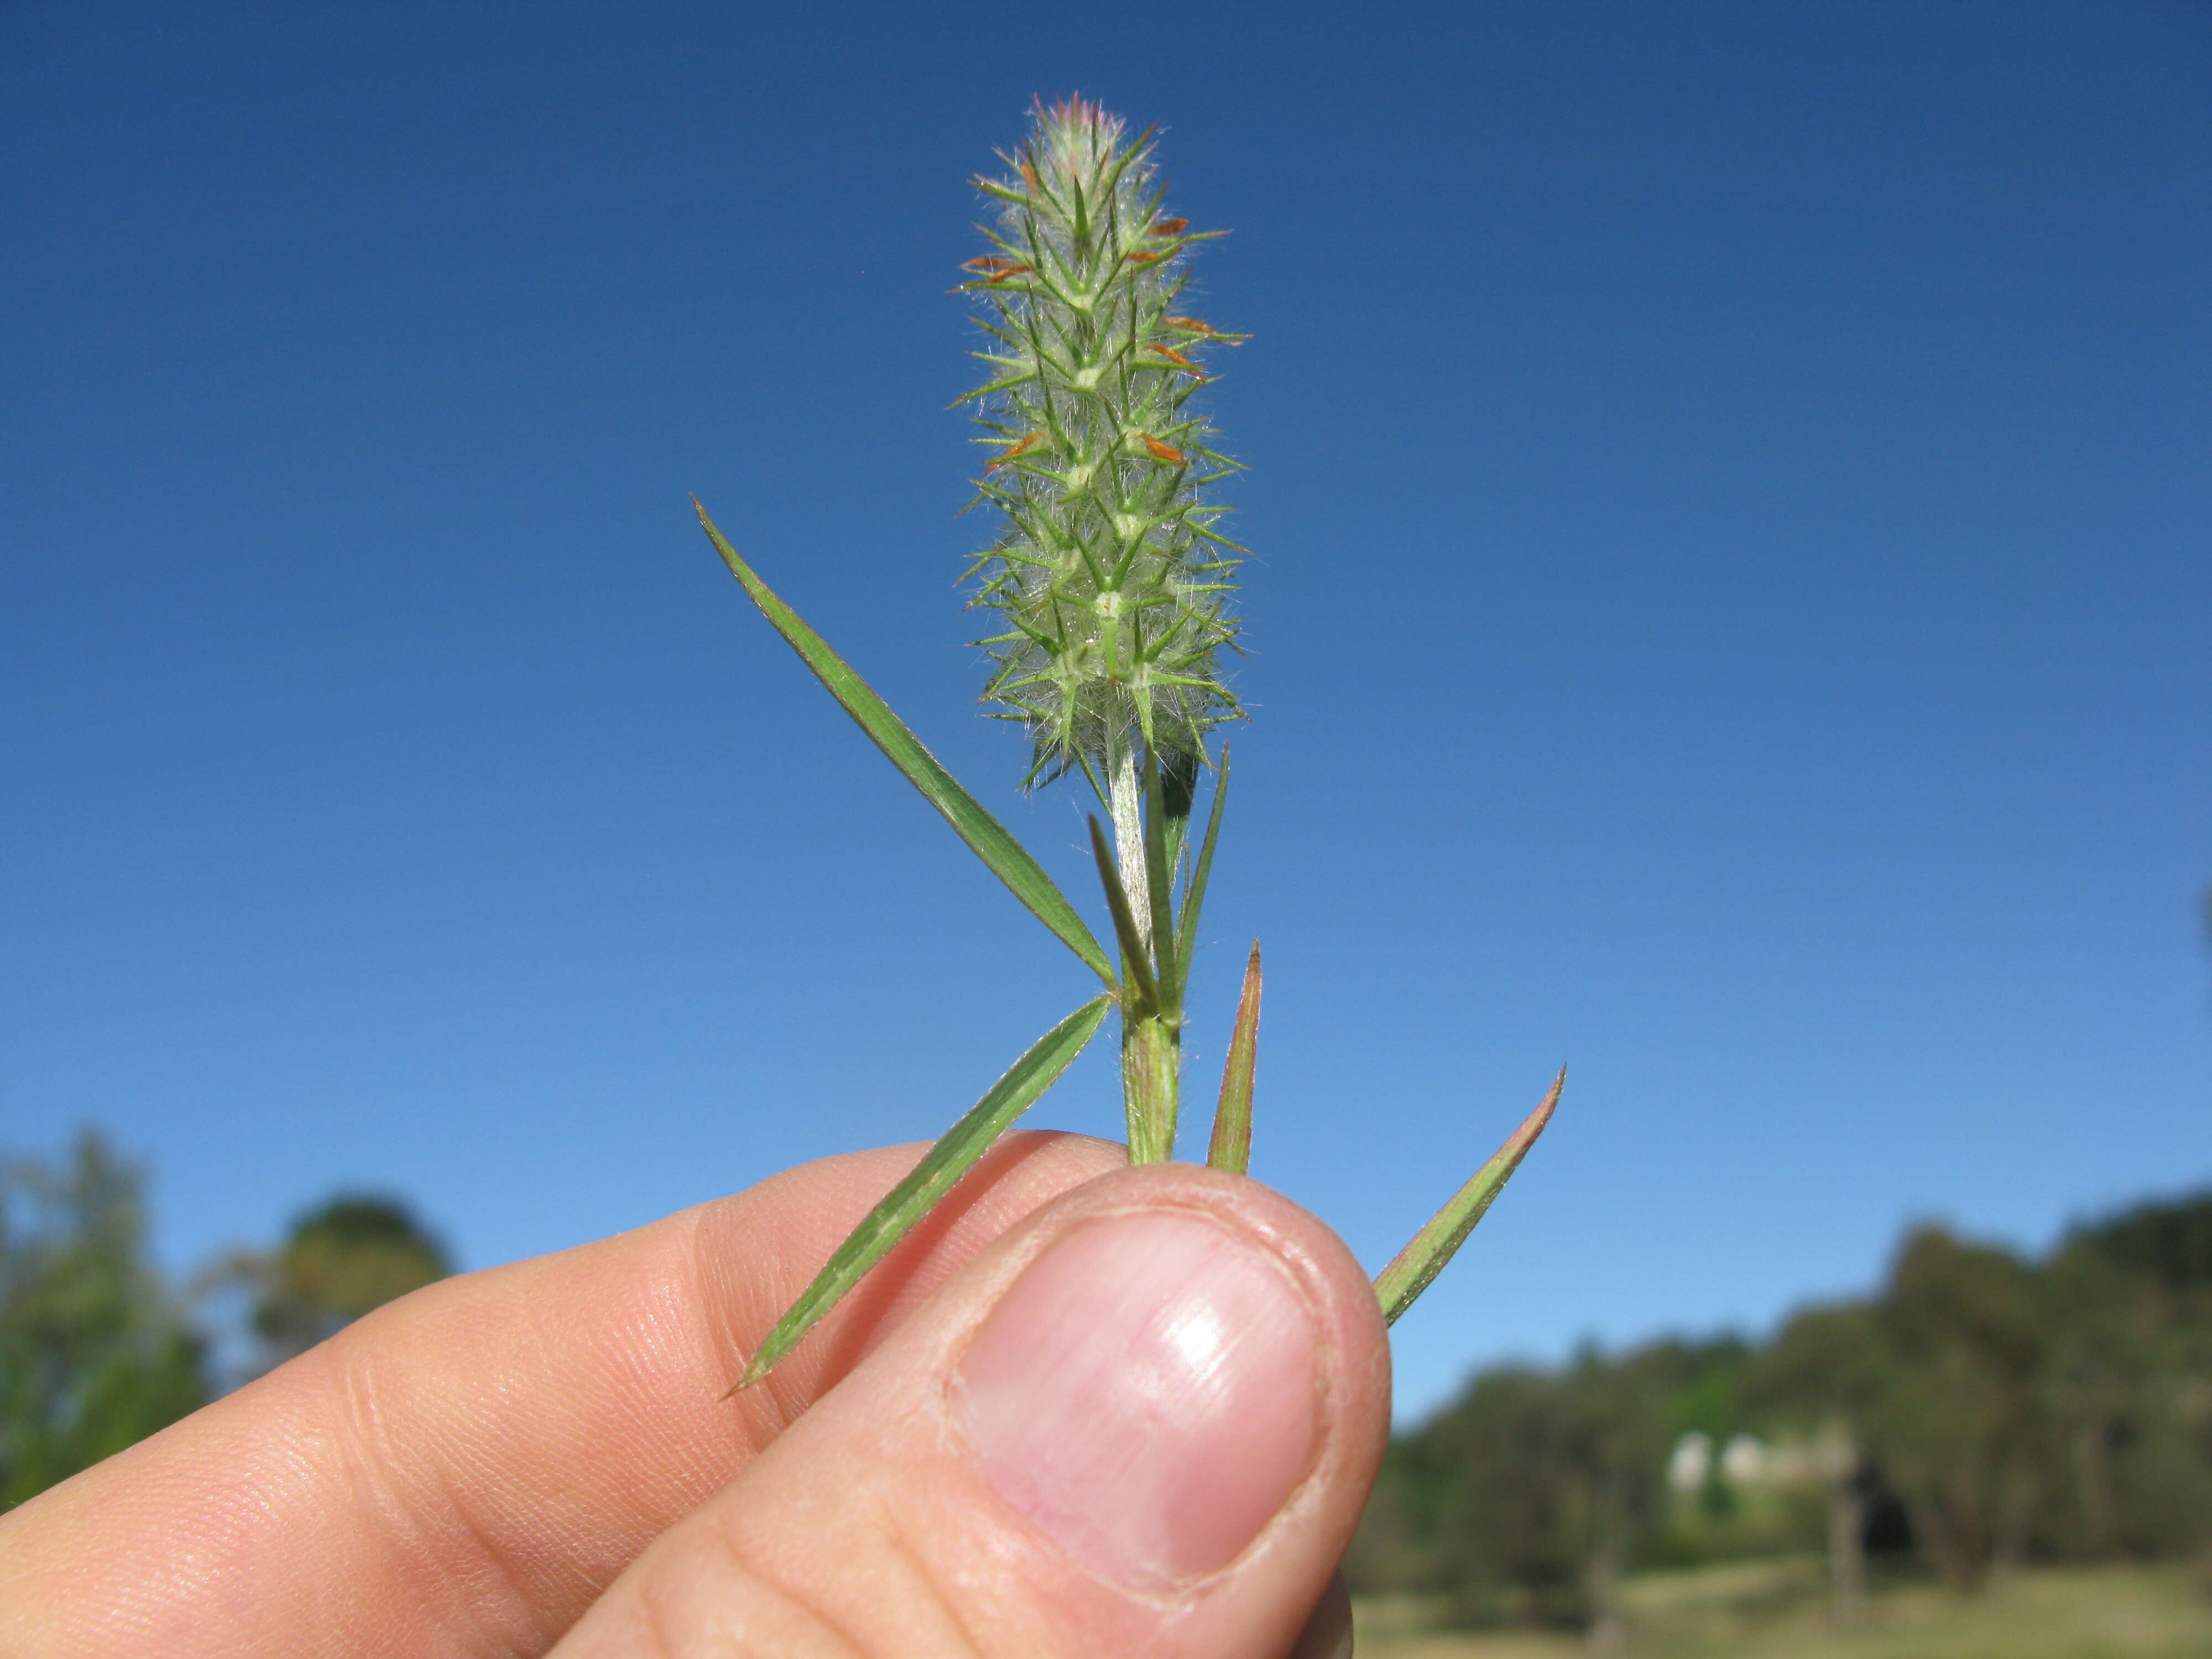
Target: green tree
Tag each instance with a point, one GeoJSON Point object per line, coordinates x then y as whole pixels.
{"type": "Point", "coordinates": [1488, 1485]}
{"type": "Point", "coordinates": [1618, 1419]}
{"type": "Point", "coordinates": [2134, 1382]}
{"type": "Point", "coordinates": [1959, 1421]}
{"type": "Point", "coordinates": [94, 1352]}
{"type": "Point", "coordinates": [1533, 1493]}
{"type": "Point", "coordinates": [347, 1256]}
{"type": "Point", "coordinates": [2103, 1343]}
{"type": "Point", "coordinates": [2168, 1242]}
{"type": "Point", "coordinates": [1819, 1379]}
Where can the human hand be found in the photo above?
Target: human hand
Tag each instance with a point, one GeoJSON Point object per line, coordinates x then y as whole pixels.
{"type": "Point", "coordinates": [1085, 1412]}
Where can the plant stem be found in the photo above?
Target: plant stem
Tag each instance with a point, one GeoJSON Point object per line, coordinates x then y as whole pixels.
{"type": "Point", "coordinates": [1151, 1036]}
{"type": "Point", "coordinates": [1151, 1066]}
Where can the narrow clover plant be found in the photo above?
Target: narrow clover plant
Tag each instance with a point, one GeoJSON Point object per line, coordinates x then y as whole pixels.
{"type": "Point", "coordinates": [1110, 587]}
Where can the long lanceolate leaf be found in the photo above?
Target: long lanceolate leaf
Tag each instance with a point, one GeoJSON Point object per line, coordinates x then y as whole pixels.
{"type": "Point", "coordinates": [930, 1179]}
{"type": "Point", "coordinates": [1007, 858]}
{"type": "Point", "coordinates": [1414, 1267]}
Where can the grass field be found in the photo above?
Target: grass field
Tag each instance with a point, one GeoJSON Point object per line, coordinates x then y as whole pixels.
{"type": "Point", "coordinates": [1776, 1610]}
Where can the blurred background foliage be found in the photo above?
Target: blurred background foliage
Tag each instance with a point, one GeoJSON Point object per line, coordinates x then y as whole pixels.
{"type": "Point", "coordinates": [1877, 1476]}
{"type": "Point", "coordinates": [1980, 1411]}
{"type": "Point", "coordinates": [97, 1349]}
{"type": "Point", "coordinates": [95, 1352]}
{"type": "Point", "coordinates": [344, 1258]}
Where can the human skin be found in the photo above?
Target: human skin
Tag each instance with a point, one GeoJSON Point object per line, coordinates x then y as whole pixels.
{"type": "Point", "coordinates": [1083, 1410]}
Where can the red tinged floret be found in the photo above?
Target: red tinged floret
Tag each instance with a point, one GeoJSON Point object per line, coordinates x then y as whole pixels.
{"type": "Point", "coordinates": [1169, 228]}
{"type": "Point", "coordinates": [993, 269]}
{"type": "Point", "coordinates": [1161, 452]}
{"type": "Point", "coordinates": [1178, 360]}
{"type": "Point", "coordinates": [1019, 446]}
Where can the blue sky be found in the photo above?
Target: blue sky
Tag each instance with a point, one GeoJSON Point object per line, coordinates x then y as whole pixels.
{"type": "Point", "coordinates": [1732, 502]}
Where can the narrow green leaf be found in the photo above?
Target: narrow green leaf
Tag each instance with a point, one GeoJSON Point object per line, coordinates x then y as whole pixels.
{"type": "Point", "coordinates": [1178, 841]}
{"type": "Point", "coordinates": [986, 836]}
{"type": "Point", "coordinates": [930, 1179]}
{"type": "Point", "coordinates": [1156, 882]}
{"type": "Point", "coordinates": [1231, 1147]}
{"type": "Point", "coordinates": [1415, 1267]}
{"type": "Point", "coordinates": [1193, 896]}
{"type": "Point", "coordinates": [1125, 922]}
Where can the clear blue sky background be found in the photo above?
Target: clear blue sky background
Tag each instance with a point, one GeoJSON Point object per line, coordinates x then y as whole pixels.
{"type": "Point", "coordinates": [1731, 487]}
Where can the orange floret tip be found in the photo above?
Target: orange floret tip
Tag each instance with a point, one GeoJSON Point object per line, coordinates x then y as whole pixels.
{"type": "Point", "coordinates": [1161, 452]}
{"type": "Point", "coordinates": [1140, 257]}
{"type": "Point", "coordinates": [1169, 228]}
{"type": "Point", "coordinates": [1177, 359]}
{"type": "Point", "coordinates": [1192, 323]}
{"type": "Point", "coordinates": [1020, 446]}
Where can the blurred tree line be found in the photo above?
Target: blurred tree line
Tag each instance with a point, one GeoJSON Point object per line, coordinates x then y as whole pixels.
{"type": "Point", "coordinates": [1978, 1411]}
{"type": "Point", "coordinates": [97, 1349]}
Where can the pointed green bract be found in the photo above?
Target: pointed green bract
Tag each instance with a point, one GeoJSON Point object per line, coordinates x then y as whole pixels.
{"type": "Point", "coordinates": [930, 1179]}
{"type": "Point", "coordinates": [1193, 894]}
{"type": "Point", "coordinates": [1231, 1147]}
{"type": "Point", "coordinates": [1415, 1267]}
{"type": "Point", "coordinates": [1007, 858]}
{"type": "Point", "coordinates": [1110, 577]}
{"type": "Point", "coordinates": [1159, 896]}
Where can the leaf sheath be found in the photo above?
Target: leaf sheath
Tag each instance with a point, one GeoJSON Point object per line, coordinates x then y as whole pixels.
{"type": "Point", "coordinates": [1142, 989]}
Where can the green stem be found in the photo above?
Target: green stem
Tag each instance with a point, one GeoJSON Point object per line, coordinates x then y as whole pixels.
{"type": "Point", "coordinates": [1152, 1067]}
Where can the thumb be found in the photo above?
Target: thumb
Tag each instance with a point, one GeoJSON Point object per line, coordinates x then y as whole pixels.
{"type": "Point", "coordinates": [1144, 1421]}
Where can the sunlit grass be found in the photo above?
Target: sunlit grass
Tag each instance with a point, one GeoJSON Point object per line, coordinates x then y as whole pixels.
{"type": "Point", "coordinates": [1776, 1610]}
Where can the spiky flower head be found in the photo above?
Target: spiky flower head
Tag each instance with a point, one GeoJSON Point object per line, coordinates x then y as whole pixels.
{"type": "Point", "coordinates": [1109, 574]}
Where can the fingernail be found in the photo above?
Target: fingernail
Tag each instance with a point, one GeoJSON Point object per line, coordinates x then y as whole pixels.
{"type": "Point", "coordinates": [1147, 1394]}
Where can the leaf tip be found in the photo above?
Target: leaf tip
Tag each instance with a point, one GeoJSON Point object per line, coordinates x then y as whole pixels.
{"type": "Point", "coordinates": [752, 1374]}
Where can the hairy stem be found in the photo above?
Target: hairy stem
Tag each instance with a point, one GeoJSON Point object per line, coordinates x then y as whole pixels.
{"type": "Point", "coordinates": [1126, 806]}
{"type": "Point", "coordinates": [1151, 1066]}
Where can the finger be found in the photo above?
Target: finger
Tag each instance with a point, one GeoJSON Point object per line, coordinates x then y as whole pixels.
{"type": "Point", "coordinates": [1144, 1421]}
{"type": "Point", "coordinates": [461, 1472]}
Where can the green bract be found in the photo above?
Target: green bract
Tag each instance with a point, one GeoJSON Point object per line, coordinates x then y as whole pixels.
{"type": "Point", "coordinates": [1111, 577]}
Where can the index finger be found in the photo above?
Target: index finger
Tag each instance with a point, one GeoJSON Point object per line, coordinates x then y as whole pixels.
{"type": "Point", "coordinates": [463, 1471]}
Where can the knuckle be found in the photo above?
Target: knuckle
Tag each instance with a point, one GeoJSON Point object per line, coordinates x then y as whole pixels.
{"type": "Point", "coordinates": [732, 1595]}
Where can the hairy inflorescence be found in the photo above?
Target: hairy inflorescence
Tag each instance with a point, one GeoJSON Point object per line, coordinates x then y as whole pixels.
{"type": "Point", "coordinates": [1109, 576]}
